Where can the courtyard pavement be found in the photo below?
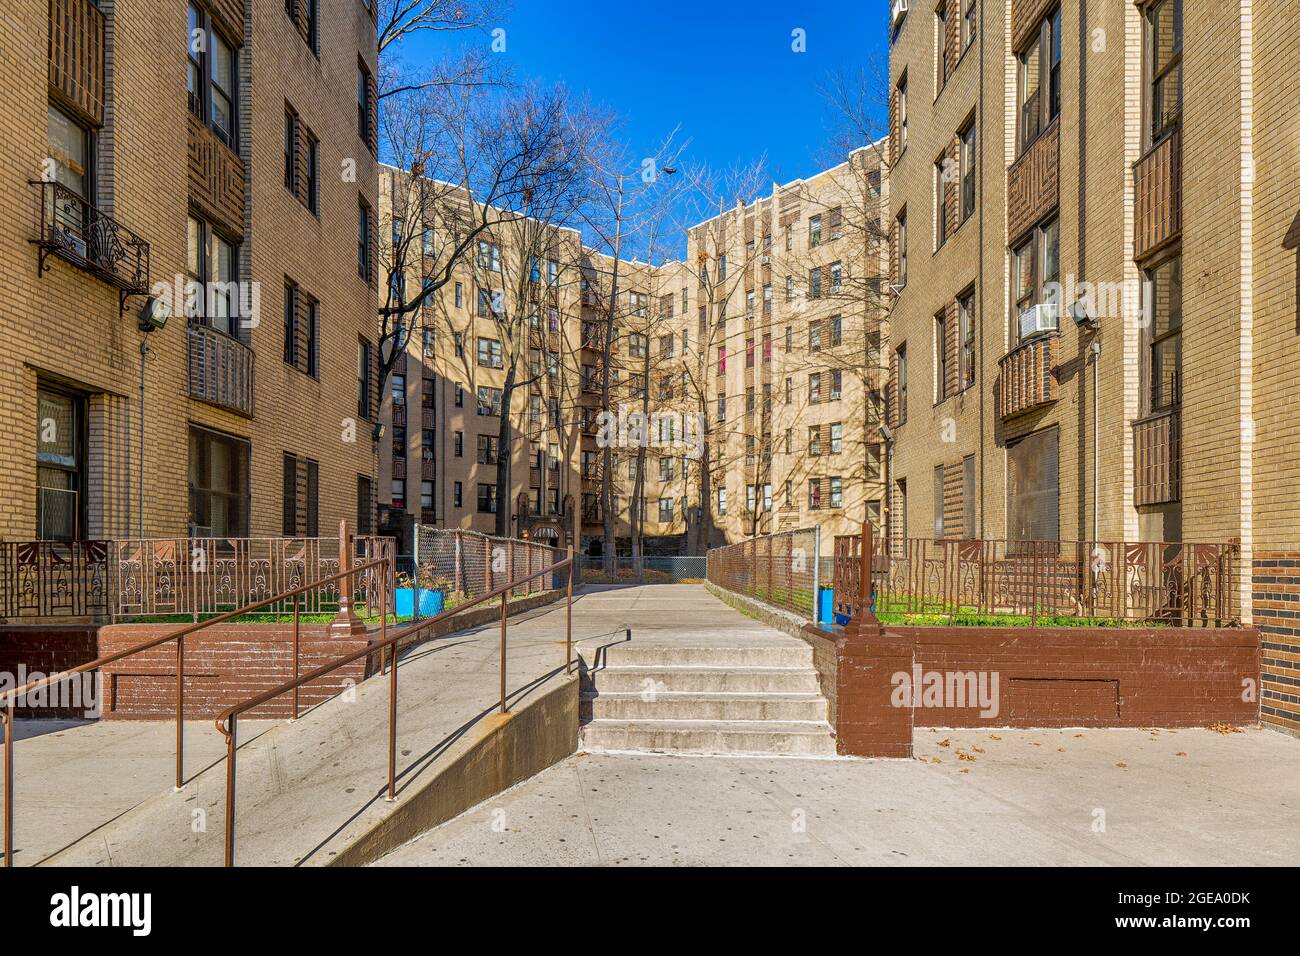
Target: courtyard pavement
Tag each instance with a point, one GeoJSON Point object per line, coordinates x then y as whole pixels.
{"type": "Point", "coordinates": [1016, 797]}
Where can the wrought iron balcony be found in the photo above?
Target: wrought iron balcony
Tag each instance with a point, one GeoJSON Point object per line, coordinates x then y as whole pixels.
{"type": "Point", "coordinates": [220, 369]}
{"type": "Point", "coordinates": [76, 231]}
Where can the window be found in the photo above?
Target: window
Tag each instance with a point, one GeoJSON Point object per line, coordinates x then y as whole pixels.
{"type": "Point", "coordinates": [814, 231]}
{"type": "Point", "coordinates": [365, 229]}
{"type": "Point", "coordinates": [489, 401]}
{"type": "Point", "coordinates": [60, 465]}
{"type": "Point", "coordinates": [814, 494]}
{"type": "Point", "coordinates": [427, 343]}
{"type": "Point", "coordinates": [941, 65]}
{"type": "Point", "coordinates": [722, 359]}
{"type": "Point", "coordinates": [666, 510]}
{"type": "Point", "coordinates": [459, 395]}
{"type": "Point", "coordinates": [968, 497]}
{"type": "Point", "coordinates": [487, 499]}
{"type": "Point", "coordinates": [900, 360]}
{"type": "Point", "coordinates": [489, 353]}
{"type": "Point", "coordinates": [901, 93]}
{"type": "Point", "coordinates": [487, 450]}
{"type": "Point", "coordinates": [1039, 69]}
{"type": "Point", "coordinates": [722, 501]}
{"type": "Point", "coordinates": [457, 494]}
{"type": "Point", "coordinates": [458, 444]}
{"type": "Point", "coordinates": [966, 317]}
{"type": "Point", "coordinates": [212, 267]}
{"type": "Point", "coordinates": [290, 150]}
{"type": "Point", "coordinates": [365, 510]}
{"type": "Point", "coordinates": [70, 148]}
{"type": "Point", "coordinates": [1032, 490]}
{"type": "Point", "coordinates": [426, 495]}
{"type": "Point", "coordinates": [722, 268]}
{"type": "Point", "coordinates": [938, 503]}
{"type": "Point", "coordinates": [667, 344]}
{"type": "Point", "coordinates": [967, 171]}
{"type": "Point", "coordinates": [814, 387]}
{"type": "Point", "coordinates": [969, 19]}
{"type": "Point", "coordinates": [1164, 67]}
{"type": "Point", "coordinates": [815, 283]}
{"type": "Point", "coordinates": [942, 356]}
{"type": "Point", "coordinates": [837, 277]}
{"type": "Point", "coordinates": [943, 172]}
{"type": "Point", "coordinates": [837, 330]}
{"type": "Point", "coordinates": [213, 77]}
{"type": "Point", "coordinates": [1036, 270]}
{"type": "Point", "coordinates": [300, 487]}
{"type": "Point", "coordinates": [365, 113]}
{"type": "Point", "coordinates": [837, 492]}
{"type": "Point", "coordinates": [814, 441]}
{"type": "Point", "coordinates": [837, 438]}
{"type": "Point", "coordinates": [666, 469]}
{"type": "Point", "coordinates": [365, 356]}
{"type": "Point", "coordinates": [837, 379]}
{"type": "Point", "coordinates": [303, 15]}
{"type": "Point", "coordinates": [636, 345]}
{"type": "Point", "coordinates": [311, 188]}
{"type": "Point", "coordinates": [1164, 298]}
{"type": "Point", "coordinates": [900, 232]}
{"type": "Point", "coordinates": [873, 462]}
{"type": "Point", "coordinates": [218, 485]}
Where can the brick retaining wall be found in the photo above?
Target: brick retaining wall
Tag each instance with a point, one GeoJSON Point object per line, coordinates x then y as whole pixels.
{"type": "Point", "coordinates": [1276, 603]}
{"type": "Point", "coordinates": [31, 650]}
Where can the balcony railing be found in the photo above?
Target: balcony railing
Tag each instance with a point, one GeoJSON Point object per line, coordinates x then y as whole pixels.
{"type": "Point", "coordinates": [1157, 458]}
{"type": "Point", "coordinates": [1028, 376]}
{"type": "Point", "coordinates": [220, 369]}
{"type": "Point", "coordinates": [79, 233]}
{"type": "Point", "coordinates": [1158, 192]}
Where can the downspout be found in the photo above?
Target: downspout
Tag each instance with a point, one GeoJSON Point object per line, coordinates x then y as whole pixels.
{"type": "Point", "coordinates": [144, 350]}
{"type": "Point", "coordinates": [979, 278]}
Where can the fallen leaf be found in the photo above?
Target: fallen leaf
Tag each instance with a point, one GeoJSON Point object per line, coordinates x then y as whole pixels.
{"type": "Point", "coordinates": [1122, 765]}
{"type": "Point", "coordinates": [1181, 753]}
{"type": "Point", "coordinates": [1224, 729]}
{"type": "Point", "coordinates": [1060, 750]}
{"type": "Point", "coordinates": [935, 760]}
{"type": "Point", "coordinates": [963, 755]}
{"type": "Point", "coordinates": [994, 737]}
{"type": "Point", "coordinates": [964, 770]}
{"type": "Point", "coordinates": [978, 750]}
{"type": "Point", "coordinates": [944, 743]}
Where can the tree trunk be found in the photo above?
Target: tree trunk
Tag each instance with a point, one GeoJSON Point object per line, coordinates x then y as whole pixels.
{"type": "Point", "coordinates": [504, 457]}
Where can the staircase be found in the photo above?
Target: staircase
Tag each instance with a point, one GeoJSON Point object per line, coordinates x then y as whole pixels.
{"type": "Point", "coordinates": [755, 698]}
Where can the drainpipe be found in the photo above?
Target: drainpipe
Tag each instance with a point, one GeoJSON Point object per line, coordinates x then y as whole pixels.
{"type": "Point", "coordinates": [144, 350]}
{"type": "Point", "coordinates": [1095, 349]}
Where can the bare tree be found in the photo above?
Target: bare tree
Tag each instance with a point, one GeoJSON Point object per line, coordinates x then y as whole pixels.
{"type": "Point", "coordinates": [627, 201]}
{"type": "Point", "coordinates": [719, 299]}
{"type": "Point", "coordinates": [401, 20]}
{"type": "Point", "coordinates": [465, 157]}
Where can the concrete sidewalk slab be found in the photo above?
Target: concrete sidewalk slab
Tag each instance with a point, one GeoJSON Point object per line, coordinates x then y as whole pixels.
{"type": "Point", "coordinates": [1053, 797]}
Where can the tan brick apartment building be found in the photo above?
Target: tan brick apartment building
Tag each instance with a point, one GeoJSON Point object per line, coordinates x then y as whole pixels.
{"type": "Point", "coordinates": [1113, 174]}
{"type": "Point", "coordinates": [772, 326]}
{"type": "Point", "coordinates": [153, 147]}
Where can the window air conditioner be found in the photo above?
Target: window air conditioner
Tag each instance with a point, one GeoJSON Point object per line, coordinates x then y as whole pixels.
{"type": "Point", "coordinates": [1039, 320]}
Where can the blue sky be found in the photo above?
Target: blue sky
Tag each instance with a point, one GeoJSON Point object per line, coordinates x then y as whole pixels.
{"type": "Point", "coordinates": [660, 65]}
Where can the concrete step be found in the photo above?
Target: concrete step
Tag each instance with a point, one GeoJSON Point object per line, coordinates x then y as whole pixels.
{"type": "Point", "coordinates": [705, 680]}
{"type": "Point", "coordinates": [677, 706]}
{"type": "Point", "coordinates": [794, 738]}
{"type": "Point", "coordinates": [672, 655]}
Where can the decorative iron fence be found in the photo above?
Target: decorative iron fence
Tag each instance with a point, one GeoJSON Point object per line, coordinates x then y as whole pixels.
{"type": "Point", "coordinates": [165, 576]}
{"type": "Point", "coordinates": [471, 564]}
{"type": "Point", "coordinates": [1160, 582]}
{"type": "Point", "coordinates": [778, 569]}
{"type": "Point", "coordinates": [40, 579]}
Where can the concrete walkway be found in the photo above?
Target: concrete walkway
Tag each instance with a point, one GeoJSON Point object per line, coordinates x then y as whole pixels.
{"type": "Point", "coordinates": [1187, 797]}
{"type": "Point", "coordinates": [305, 788]}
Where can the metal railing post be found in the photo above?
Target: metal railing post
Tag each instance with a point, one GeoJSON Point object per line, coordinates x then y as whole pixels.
{"type": "Point", "coordinates": [230, 790]}
{"type": "Point", "coordinates": [392, 691]}
{"type": "Point", "coordinates": [568, 618]}
{"type": "Point", "coordinates": [295, 656]}
{"type": "Point", "coordinates": [504, 595]}
{"type": "Point", "coordinates": [180, 712]}
{"type": "Point", "coordinates": [9, 783]}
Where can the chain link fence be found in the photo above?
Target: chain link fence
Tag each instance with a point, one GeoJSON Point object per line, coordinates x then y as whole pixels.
{"type": "Point", "coordinates": [466, 564]}
{"type": "Point", "coordinates": [644, 570]}
{"type": "Point", "coordinates": [778, 569]}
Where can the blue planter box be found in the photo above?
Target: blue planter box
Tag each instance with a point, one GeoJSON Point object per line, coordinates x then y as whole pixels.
{"type": "Point", "coordinates": [826, 608]}
{"type": "Point", "coordinates": [431, 602]}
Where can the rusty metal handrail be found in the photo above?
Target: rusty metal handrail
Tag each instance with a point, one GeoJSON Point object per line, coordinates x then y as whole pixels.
{"type": "Point", "coordinates": [227, 721]}
{"type": "Point", "coordinates": [10, 696]}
